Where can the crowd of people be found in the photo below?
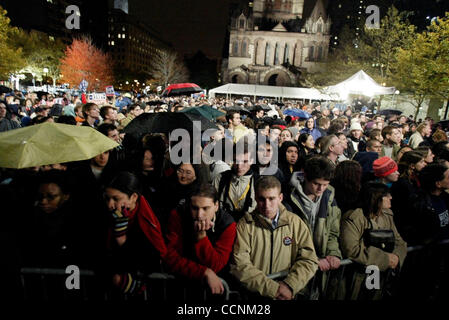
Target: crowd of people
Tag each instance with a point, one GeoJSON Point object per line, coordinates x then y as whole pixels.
{"type": "Point", "coordinates": [346, 184]}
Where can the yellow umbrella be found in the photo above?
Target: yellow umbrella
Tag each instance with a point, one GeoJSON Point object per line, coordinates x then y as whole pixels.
{"type": "Point", "coordinates": [50, 143]}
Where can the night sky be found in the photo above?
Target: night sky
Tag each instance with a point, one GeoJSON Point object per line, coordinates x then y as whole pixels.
{"type": "Point", "coordinates": [190, 25]}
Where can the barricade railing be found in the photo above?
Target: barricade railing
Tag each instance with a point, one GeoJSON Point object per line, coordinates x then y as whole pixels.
{"type": "Point", "coordinates": [45, 280]}
{"type": "Point", "coordinates": [341, 270]}
{"type": "Point", "coordinates": [42, 279]}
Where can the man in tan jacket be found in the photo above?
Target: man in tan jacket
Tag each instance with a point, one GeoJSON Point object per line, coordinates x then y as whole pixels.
{"type": "Point", "coordinates": [269, 240]}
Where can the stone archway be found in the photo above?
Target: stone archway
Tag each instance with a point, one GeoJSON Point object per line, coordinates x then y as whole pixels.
{"type": "Point", "coordinates": [238, 77]}
{"type": "Point", "coordinates": [278, 78]}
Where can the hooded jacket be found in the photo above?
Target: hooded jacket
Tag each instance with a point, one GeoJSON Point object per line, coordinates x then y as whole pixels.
{"type": "Point", "coordinates": [260, 250]}
{"type": "Point", "coordinates": [326, 231]}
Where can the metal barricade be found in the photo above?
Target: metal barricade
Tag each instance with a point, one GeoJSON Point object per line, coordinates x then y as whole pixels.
{"type": "Point", "coordinates": [50, 284]}
{"type": "Point", "coordinates": [340, 272]}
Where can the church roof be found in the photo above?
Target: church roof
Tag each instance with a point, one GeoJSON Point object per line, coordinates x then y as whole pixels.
{"type": "Point", "coordinates": [314, 9]}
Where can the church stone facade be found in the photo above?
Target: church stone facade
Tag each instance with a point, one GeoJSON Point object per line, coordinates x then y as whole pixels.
{"type": "Point", "coordinates": [274, 41]}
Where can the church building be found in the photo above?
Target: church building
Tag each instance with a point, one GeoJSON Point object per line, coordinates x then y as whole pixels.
{"type": "Point", "coordinates": [272, 42]}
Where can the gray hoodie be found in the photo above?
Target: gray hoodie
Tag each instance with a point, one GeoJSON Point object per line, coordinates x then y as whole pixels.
{"type": "Point", "coordinates": [310, 207]}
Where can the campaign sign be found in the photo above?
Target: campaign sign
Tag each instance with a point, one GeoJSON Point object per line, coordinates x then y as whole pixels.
{"type": "Point", "coordinates": [97, 98]}
{"type": "Point", "coordinates": [110, 91]}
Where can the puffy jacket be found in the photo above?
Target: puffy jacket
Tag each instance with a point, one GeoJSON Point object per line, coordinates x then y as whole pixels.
{"type": "Point", "coordinates": [260, 250]}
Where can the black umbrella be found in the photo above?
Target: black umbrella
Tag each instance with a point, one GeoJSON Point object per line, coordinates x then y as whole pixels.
{"type": "Point", "coordinates": [263, 106]}
{"type": "Point", "coordinates": [4, 89]}
{"type": "Point", "coordinates": [238, 109]}
{"type": "Point", "coordinates": [41, 93]}
{"type": "Point", "coordinates": [388, 112]}
{"type": "Point", "coordinates": [166, 122]}
{"type": "Point", "coordinates": [155, 102]}
{"type": "Point", "coordinates": [444, 125]}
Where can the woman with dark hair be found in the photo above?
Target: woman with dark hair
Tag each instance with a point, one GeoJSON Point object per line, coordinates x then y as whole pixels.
{"type": "Point", "coordinates": [136, 241]}
{"type": "Point", "coordinates": [359, 230]}
{"type": "Point", "coordinates": [200, 238]}
{"type": "Point", "coordinates": [408, 184]}
{"type": "Point", "coordinates": [427, 153]}
{"type": "Point", "coordinates": [288, 159]}
{"type": "Point", "coordinates": [286, 135]}
{"type": "Point", "coordinates": [306, 145]}
{"type": "Point", "coordinates": [149, 168]}
{"type": "Point", "coordinates": [347, 184]}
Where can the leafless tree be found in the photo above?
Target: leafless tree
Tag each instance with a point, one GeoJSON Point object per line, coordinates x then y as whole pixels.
{"type": "Point", "coordinates": [168, 68]}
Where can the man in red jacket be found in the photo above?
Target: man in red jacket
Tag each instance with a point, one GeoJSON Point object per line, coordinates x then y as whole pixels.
{"type": "Point", "coordinates": [200, 238]}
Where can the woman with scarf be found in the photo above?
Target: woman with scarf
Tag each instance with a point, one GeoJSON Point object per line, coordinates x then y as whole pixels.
{"type": "Point", "coordinates": [135, 241]}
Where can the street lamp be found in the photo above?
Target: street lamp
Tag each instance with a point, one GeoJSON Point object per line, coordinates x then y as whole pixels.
{"type": "Point", "coordinates": [46, 76]}
{"type": "Point", "coordinates": [394, 95]}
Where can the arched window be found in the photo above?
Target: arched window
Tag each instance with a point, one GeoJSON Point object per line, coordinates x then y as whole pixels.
{"type": "Point", "coordinates": [244, 49]}
{"type": "Point", "coordinates": [286, 52]}
{"type": "Point", "coordinates": [242, 24]}
{"type": "Point", "coordinates": [235, 48]}
{"type": "Point", "coordinates": [267, 54]}
{"type": "Point", "coordinates": [319, 27]}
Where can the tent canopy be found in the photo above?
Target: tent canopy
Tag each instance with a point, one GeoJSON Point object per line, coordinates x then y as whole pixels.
{"type": "Point", "coordinates": [360, 83]}
{"type": "Point", "coordinates": [269, 91]}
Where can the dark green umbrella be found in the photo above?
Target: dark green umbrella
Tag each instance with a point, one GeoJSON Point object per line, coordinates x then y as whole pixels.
{"type": "Point", "coordinates": [205, 111]}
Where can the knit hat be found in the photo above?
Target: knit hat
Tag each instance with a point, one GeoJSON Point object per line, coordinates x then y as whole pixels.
{"type": "Point", "coordinates": [384, 166]}
{"type": "Point", "coordinates": [355, 126]}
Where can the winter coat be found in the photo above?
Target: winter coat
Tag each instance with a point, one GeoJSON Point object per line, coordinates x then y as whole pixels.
{"type": "Point", "coordinates": [327, 224]}
{"type": "Point", "coordinates": [260, 250]}
{"type": "Point", "coordinates": [353, 226]}
{"type": "Point", "coordinates": [144, 247]}
{"type": "Point", "coordinates": [191, 258]}
{"type": "Point", "coordinates": [231, 192]}
{"type": "Point", "coordinates": [404, 195]}
{"type": "Point", "coordinates": [351, 148]}
{"type": "Point", "coordinates": [420, 224]}
{"type": "Point", "coordinates": [415, 140]}
{"type": "Point", "coordinates": [394, 152]}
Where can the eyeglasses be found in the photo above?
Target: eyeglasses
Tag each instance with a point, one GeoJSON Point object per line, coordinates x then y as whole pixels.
{"type": "Point", "coordinates": [185, 172]}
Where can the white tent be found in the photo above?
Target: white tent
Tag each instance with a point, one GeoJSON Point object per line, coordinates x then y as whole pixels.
{"type": "Point", "coordinates": [360, 83]}
{"type": "Point", "coordinates": [253, 90]}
